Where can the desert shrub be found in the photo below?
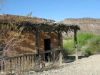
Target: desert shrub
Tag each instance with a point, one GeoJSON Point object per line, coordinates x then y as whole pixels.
{"type": "Point", "coordinates": [86, 52]}
{"type": "Point", "coordinates": [68, 46]}
{"type": "Point", "coordinates": [94, 45]}
{"type": "Point", "coordinates": [82, 39]}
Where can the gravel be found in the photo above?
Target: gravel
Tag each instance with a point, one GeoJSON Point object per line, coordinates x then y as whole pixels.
{"type": "Point", "coordinates": [84, 66]}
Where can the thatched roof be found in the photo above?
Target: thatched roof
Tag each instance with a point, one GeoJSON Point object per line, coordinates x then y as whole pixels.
{"type": "Point", "coordinates": [25, 18]}
{"type": "Point", "coordinates": [31, 25]}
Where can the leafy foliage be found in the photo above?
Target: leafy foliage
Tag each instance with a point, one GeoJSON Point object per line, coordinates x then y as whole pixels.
{"type": "Point", "coordinates": [68, 45]}
{"type": "Point", "coordinates": [89, 40]}
{"type": "Point", "coordinates": [94, 45]}
{"type": "Point", "coordinates": [83, 38]}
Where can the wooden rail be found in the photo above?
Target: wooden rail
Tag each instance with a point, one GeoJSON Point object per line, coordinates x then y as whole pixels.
{"type": "Point", "coordinates": [25, 62]}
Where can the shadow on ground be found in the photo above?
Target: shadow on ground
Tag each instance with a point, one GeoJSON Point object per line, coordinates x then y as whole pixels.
{"type": "Point", "coordinates": [72, 59]}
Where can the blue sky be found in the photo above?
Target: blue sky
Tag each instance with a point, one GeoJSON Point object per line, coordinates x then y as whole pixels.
{"type": "Point", "coordinates": [53, 9]}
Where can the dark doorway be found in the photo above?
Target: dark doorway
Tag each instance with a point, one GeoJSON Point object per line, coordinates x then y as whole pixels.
{"type": "Point", "coordinates": [47, 47]}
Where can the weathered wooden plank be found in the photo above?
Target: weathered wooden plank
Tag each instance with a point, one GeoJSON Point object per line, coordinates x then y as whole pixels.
{"type": "Point", "coordinates": [26, 54]}
{"type": "Point", "coordinates": [48, 51]}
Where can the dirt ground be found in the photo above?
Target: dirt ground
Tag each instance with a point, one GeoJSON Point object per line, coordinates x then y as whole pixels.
{"type": "Point", "coordinates": [85, 66]}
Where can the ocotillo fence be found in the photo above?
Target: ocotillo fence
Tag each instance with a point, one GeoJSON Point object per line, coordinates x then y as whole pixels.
{"type": "Point", "coordinates": [26, 62]}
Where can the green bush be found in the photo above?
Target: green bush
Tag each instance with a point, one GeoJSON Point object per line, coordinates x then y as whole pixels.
{"type": "Point", "coordinates": [94, 45]}
{"type": "Point", "coordinates": [68, 45]}
{"type": "Point", "coordinates": [87, 52]}
{"type": "Point", "coordinates": [83, 38]}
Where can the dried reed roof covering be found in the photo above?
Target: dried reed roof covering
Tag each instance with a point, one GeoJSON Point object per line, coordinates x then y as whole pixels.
{"type": "Point", "coordinates": [31, 25]}
{"type": "Point", "coordinates": [25, 18]}
{"type": "Point", "coordinates": [49, 27]}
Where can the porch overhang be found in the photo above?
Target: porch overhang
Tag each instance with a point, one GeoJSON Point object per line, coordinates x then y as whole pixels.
{"type": "Point", "coordinates": [37, 27]}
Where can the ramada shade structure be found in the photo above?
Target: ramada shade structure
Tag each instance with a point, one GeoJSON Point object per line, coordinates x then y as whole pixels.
{"type": "Point", "coordinates": [48, 27]}
{"type": "Point", "coordinates": [33, 26]}
{"type": "Point", "coordinates": [41, 27]}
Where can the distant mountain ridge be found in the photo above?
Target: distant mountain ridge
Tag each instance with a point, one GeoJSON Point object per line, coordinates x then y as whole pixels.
{"type": "Point", "coordinates": [86, 24]}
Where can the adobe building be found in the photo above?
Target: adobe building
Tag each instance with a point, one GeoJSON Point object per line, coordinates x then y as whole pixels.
{"type": "Point", "coordinates": [44, 37]}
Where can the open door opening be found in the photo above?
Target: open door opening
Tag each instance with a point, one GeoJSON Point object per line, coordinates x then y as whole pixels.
{"type": "Point", "coordinates": [47, 46]}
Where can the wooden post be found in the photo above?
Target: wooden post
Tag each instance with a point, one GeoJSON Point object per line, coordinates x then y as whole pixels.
{"type": "Point", "coordinates": [8, 65]}
{"type": "Point", "coordinates": [36, 40]}
{"type": "Point", "coordinates": [22, 63]}
{"type": "Point", "coordinates": [27, 68]}
{"type": "Point", "coordinates": [32, 62]}
{"type": "Point", "coordinates": [11, 65]}
{"type": "Point", "coordinates": [59, 40]}
{"type": "Point", "coordinates": [1, 65]}
{"type": "Point", "coordinates": [59, 46]}
{"type": "Point", "coordinates": [29, 62]}
{"type": "Point", "coordinates": [15, 64]}
{"type": "Point", "coordinates": [25, 59]}
{"type": "Point", "coordinates": [75, 44]}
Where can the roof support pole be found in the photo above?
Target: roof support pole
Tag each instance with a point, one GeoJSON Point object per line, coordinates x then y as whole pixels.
{"type": "Point", "coordinates": [75, 44]}
{"type": "Point", "coordinates": [59, 46]}
{"type": "Point", "coordinates": [36, 42]}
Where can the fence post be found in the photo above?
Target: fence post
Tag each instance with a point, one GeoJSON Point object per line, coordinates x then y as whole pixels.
{"type": "Point", "coordinates": [2, 66]}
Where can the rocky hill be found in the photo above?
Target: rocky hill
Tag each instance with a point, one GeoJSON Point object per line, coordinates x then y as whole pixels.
{"type": "Point", "coordinates": [86, 24]}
